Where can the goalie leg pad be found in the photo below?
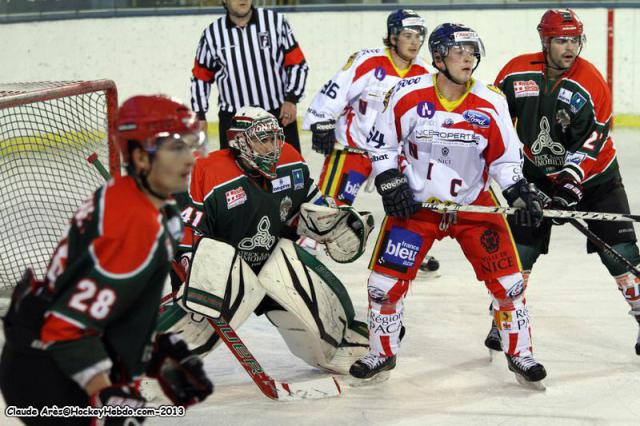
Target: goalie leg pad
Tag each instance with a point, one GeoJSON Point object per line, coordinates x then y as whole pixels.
{"type": "Point", "coordinates": [219, 283]}
{"type": "Point", "coordinates": [318, 308]}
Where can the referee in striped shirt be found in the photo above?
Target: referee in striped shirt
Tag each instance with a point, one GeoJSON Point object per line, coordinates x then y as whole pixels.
{"type": "Point", "coordinates": [255, 60]}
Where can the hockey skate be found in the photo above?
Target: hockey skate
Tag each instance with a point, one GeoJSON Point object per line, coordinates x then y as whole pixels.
{"type": "Point", "coordinates": [529, 373]}
{"type": "Point", "coordinates": [429, 267]}
{"type": "Point", "coordinates": [492, 342]}
{"type": "Point", "coordinates": [371, 369]}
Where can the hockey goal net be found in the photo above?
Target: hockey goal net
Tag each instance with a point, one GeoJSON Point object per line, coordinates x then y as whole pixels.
{"type": "Point", "coordinates": [47, 131]}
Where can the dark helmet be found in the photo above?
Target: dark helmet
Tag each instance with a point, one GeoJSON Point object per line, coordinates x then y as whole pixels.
{"type": "Point", "coordinates": [448, 35]}
{"type": "Point", "coordinates": [405, 19]}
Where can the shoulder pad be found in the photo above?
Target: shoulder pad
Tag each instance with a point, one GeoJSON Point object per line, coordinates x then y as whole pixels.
{"type": "Point", "coordinates": [350, 61]}
{"type": "Point", "coordinates": [495, 89]}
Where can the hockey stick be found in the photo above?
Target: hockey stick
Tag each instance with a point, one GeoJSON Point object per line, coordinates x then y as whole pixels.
{"type": "Point", "coordinates": [598, 242]}
{"type": "Point", "coordinates": [561, 214]}
{"type": "Point", "coordinates": [280, 391]}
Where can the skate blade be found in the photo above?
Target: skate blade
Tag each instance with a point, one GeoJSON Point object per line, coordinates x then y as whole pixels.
{"type": "Point", "coordinates": [537, 386]}
{"type": "Point", "coordinates": [492, 354]}
{"type": "Point", "coordinates": [356, 383]}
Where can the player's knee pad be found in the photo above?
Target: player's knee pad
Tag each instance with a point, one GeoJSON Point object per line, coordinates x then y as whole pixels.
{"type": "Point", "coordinates": [385, 290]}
{"type": "Point", "coordinates": [507, 291]}
{"type": "Point", "coordinates": [628, 250]}
{"type": "Point", "coordinates": [318, 314]}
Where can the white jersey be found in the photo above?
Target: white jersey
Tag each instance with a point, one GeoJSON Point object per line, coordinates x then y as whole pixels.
{"type": "Point", "coordinates": [356, 94]}
{"type": "Point", "coordinates": [448, 155]}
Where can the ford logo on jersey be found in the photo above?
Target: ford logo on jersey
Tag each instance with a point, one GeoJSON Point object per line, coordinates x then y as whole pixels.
{"type": "Point", "coordinates": [476, 118]}
{"type": "Point", "coordinates": [426, 109]}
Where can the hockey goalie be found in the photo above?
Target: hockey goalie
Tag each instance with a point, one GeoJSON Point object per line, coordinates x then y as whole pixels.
{"type": "Point", "coordinates": [246, 206]}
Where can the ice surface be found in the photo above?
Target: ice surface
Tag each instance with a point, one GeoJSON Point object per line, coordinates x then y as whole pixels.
{"type": "Point", "coordinates": [581, 330]}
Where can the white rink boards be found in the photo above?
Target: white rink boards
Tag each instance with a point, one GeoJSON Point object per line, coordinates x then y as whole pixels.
{"type": "Point", "coordinates": [581, 330]}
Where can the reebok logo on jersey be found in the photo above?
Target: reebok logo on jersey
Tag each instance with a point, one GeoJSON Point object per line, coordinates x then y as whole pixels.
{"type": "Point", "coordinates": [522, 89]}
{"type": "Point", "coordinates": [426, 109]}
{"type": "Point", "coordinates": [281, 184]}
{"type": "Point", "coordinates": [235, 197]}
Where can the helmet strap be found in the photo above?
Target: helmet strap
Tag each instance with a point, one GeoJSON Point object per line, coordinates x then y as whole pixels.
{"type": "Point", "coordinates": [144, 182]}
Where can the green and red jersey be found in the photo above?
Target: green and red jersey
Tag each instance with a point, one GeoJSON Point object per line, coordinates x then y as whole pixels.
{"type": "Point", "coordinates": [250, 213]}
{"type": "Point", "coordinates": [564, 124]}
{"type": "Point", "coordinates": [106, 277]}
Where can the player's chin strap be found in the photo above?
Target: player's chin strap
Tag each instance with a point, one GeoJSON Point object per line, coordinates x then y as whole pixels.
{"type": "Point", "coordinates": [142, 177]}
{"type": "Point", "coordinates": [450, 77]}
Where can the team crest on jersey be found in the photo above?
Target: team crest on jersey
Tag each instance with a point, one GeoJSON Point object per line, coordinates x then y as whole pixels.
{"type": "Point", "coordinates": [577, 102]}
{"type": "Point", "coordinates": [264, 39]}
{"type": "Point", "coordinates": [380, 73]}
{"type": "Point", "coordinates": [298, 179]}
{"type": "Point", "coordinates": [235, 197]}
{"type": "Point", "coordinates": [562, 116]}
{"type": "Point", "coordinates": [285, 208]}
{"type": "Point", "coordinates": [281, 184]}
{"type": "Point", "coordinates": [476, 118]}
{"type": "Point", "coordinates": [426, 109]}
{"type": "Point", "coordinates": [490, 241]}
{"type": "Point", "coordinates": [262, 237]}
{"type": "Point", "coordinates": [523, 89]}
{"type": "Point", "coordinates": [349, 61]}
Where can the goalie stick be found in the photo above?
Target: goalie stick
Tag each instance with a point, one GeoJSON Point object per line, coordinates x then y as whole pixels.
{"type": "Point", "coordinates": [280, 391]}
{"type": "Point", "coordinates": [562, 214]}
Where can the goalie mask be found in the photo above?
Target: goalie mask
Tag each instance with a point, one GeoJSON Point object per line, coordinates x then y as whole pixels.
{"type": "Point", "coordinates": [257, 139]}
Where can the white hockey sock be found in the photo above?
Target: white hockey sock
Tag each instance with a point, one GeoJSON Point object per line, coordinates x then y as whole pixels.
{"type": "Point", "coordinates": [629, 286]}
{"type": "Point", "coordinates": [386, 307]}
{"type": "Point", "coordinates": [513, 325]}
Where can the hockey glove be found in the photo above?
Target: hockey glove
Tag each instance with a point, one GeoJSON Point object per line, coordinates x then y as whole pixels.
{"type": "Point", "coordinates": [567, 193]}
{"type": "Point", "coordinates": [529, 199]}
{"type": "Point", "coordinates": [117, 395]}
{"type": "Point", "coordinates": [397, 196]}
{"type": "Point", "coordinates": [323, 136]}
{"type": "Point", "coordinates": [179, 372]}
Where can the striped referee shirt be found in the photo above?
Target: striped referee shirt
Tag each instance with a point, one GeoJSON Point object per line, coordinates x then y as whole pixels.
{"type": "Point", "coordinates": [260, 64]}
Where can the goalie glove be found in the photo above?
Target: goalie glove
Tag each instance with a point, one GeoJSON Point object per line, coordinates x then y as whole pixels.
{"type": "Point", "coordinates": [343, 230]}
{"type": "Point", "coordinates": [179, 371]}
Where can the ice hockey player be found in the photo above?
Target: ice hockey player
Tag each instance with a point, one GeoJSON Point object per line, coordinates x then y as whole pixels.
{"type": "Point", "coordinates": [82, 335]}
{"type": "Point", "coordinates": [256, 198]}
{"type": "Point", "coordinates": [341, 115]}
{"type": "Point", "coordinates": [456, 135]}
{"type": "Point", "coordinates": [563, 113]}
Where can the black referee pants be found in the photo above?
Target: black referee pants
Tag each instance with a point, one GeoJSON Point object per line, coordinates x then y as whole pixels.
{"type": "Point", "coordinates": [290, 131]}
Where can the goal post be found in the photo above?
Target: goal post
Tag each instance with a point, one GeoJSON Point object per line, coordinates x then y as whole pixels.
{"type": "Point", "coordinates": [47, 131]}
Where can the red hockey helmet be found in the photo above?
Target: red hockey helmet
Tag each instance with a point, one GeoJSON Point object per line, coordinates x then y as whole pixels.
{"type": "Point", "coordinates": [149, 120]}
{"type": "Point", "coordinates": [560, 23]}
